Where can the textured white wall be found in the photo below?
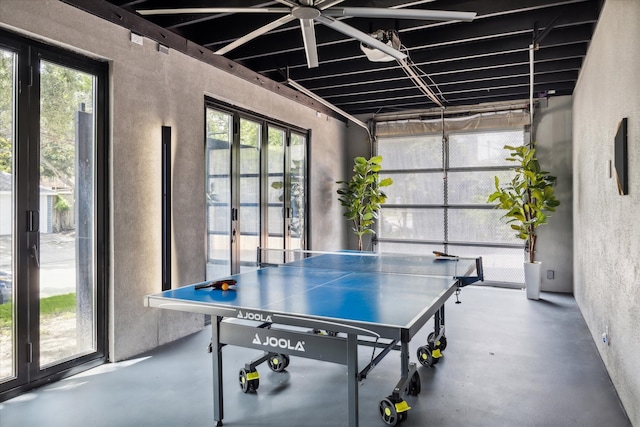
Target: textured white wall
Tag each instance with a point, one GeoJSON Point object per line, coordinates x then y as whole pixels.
{"type": "Point", "coordinates": [606, 226]}
{"type": "Point", "coordinates": [149, 89]}
{"type": "Point", "coordinates": [325, 164]}
{"type": "Point", "coordinates": [553, 149]}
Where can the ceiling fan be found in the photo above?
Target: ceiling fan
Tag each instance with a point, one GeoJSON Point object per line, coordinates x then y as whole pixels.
{"type": "Point", "coordinates": [309, 12]}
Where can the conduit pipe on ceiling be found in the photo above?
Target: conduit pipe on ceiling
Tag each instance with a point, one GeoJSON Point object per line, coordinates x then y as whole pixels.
{"type": "Point", "coordinates": [326, 103]}
{"type": "Point", "coordinates": [532, 49]}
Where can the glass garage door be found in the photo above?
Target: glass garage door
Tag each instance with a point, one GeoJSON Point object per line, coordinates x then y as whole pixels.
{"type": "Point", "coordinates": [438, 199]}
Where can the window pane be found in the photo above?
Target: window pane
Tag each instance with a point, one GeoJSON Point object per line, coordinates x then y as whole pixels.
{"type": "Point", "coordinates": [276, 194]}
{"type": "Point", "coordinates": [415, 188]}
{"type": "Point", "coordinates": [482, 149]}
{"type": "Point", "coordinates": [412, 224]}
{"type": "Point", "coordinates": [218, 193]}
{"type": "Point", "coordinates": [480, 225]}
{"type": "Point", "coordinates": [250, 144]}
{"type": "Point", "coordinates": [298, 189]}
{"type": "Point", "coordinates": [7, 291]}
{"type": "Point", "coordinates": [409, 248]}
{"type": "Point", "coordinates": [67, 200]}
{"type": "Point", "coordinates": [474, 187]}
{"type": "Point", "coordinates": [421, 152]}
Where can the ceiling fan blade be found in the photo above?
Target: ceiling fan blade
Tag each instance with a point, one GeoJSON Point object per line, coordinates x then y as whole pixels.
{"type": "Point", "coordinates": [360, 36]}
{"type": "Point", "coordinates": [309, 39]}
{"type": "Point", "coordinates": [197, 10]}
{"type": "Point", "coordinates": [325, 4]}
{"type": "Point", "coordinates": [289, 3]}
{"type": "Point", "coordinates": [375, 12]}
{"type": "Point", "coordinates": [255, 33]}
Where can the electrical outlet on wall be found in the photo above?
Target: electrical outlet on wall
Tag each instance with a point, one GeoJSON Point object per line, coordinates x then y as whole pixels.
{"type": "Point", "coordinates": [137, 39]}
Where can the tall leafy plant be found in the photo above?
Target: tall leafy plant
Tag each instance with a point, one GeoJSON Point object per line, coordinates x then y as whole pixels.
{"type": "Point", "coordinates": [528, 197]}
{"type": "Point", "coordinates": [362, 196]}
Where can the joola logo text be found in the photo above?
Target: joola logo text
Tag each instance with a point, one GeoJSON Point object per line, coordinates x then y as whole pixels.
{"type": "Point", "coordinates": [254, 316]}
{"type": "Point", "coordinates": [279, 342]}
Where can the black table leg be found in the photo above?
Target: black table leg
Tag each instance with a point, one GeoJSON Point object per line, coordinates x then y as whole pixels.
{"type": "Point", "coordinates": [216, 356]}
{"type": "Point", "coordinates": [352, 373]}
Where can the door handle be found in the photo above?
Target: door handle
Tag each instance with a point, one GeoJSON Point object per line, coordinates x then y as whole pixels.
{"type": "Point", "coordinates": [234, 222]}
{"type": "Point", "coordinates": [33, 253]}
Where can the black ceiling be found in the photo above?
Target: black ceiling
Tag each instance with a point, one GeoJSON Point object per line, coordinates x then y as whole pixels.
{"type": "Point", "coordinates": [486, 60]}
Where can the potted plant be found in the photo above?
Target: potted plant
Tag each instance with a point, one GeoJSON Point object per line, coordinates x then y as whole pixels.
{"type": "Point", "coordinates": [527, 199]}
{"type": "Point", "coordinates": [362, 196]}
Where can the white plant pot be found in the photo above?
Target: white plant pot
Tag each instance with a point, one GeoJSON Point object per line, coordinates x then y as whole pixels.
{"type": "Point", "coordinates": [532, 279]}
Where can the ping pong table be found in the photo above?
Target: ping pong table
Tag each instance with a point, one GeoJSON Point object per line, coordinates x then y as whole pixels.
{"type": "Point", "coordinates": [324, 306]}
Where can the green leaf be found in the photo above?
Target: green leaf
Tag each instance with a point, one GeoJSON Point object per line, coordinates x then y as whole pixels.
{"type": "Point", "coordinates": [493, 197]}
{"type": "Point", "coordinates": [360, 161]}
{"type": "Point", "coordinates": [386, 182]}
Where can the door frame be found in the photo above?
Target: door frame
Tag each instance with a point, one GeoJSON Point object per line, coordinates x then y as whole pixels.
{"type": "Point", "coordinates": [29, 53]}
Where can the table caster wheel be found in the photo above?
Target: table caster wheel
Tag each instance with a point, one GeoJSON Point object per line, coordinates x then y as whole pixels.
{"type": "Point", "coordinates": [425, 356]}
{"type": "Point", "coordinates": [388, 412]}
{"type": "Point", "coordinates": [414, 385]}
{"type": "Point", "coordinates": [441, 344]}
{"type": "Point", "coordinates": [249, 380]}
{"type": "Point", "coordinates": [402, 416]}
{"type": "Point", "coordinates": [393, 411]}
{"type": "Point", "coordinates": [278, 362]}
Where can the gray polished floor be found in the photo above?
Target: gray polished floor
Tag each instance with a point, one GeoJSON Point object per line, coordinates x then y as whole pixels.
{"type": "Point", "coordinates": [509, 362]}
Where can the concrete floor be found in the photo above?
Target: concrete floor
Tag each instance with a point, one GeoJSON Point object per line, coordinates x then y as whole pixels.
{"type": "Point", "coordinates": [509, 362]}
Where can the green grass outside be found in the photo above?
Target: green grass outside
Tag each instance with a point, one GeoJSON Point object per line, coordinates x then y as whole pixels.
{"type": "Point", "coordinates": [48, 307]}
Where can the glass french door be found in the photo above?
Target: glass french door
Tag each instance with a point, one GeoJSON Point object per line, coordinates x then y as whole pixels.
{"type": "Point", "coordinates": [255, 191]}
{"type": "Point", "coordinates": [219, 140]}
{"type": "Point", "coordinates": [65, 255]}
{"type": "Point", "coordinates": [297, 173]}
{"type": "Point", "coordinates": [276, 189]}
{"type": "Point", "coordinates": [51, 214]}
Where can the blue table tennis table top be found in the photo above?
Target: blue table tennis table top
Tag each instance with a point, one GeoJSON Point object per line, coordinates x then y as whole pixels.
{"type": "Point", "coordinates": [361, 289]}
